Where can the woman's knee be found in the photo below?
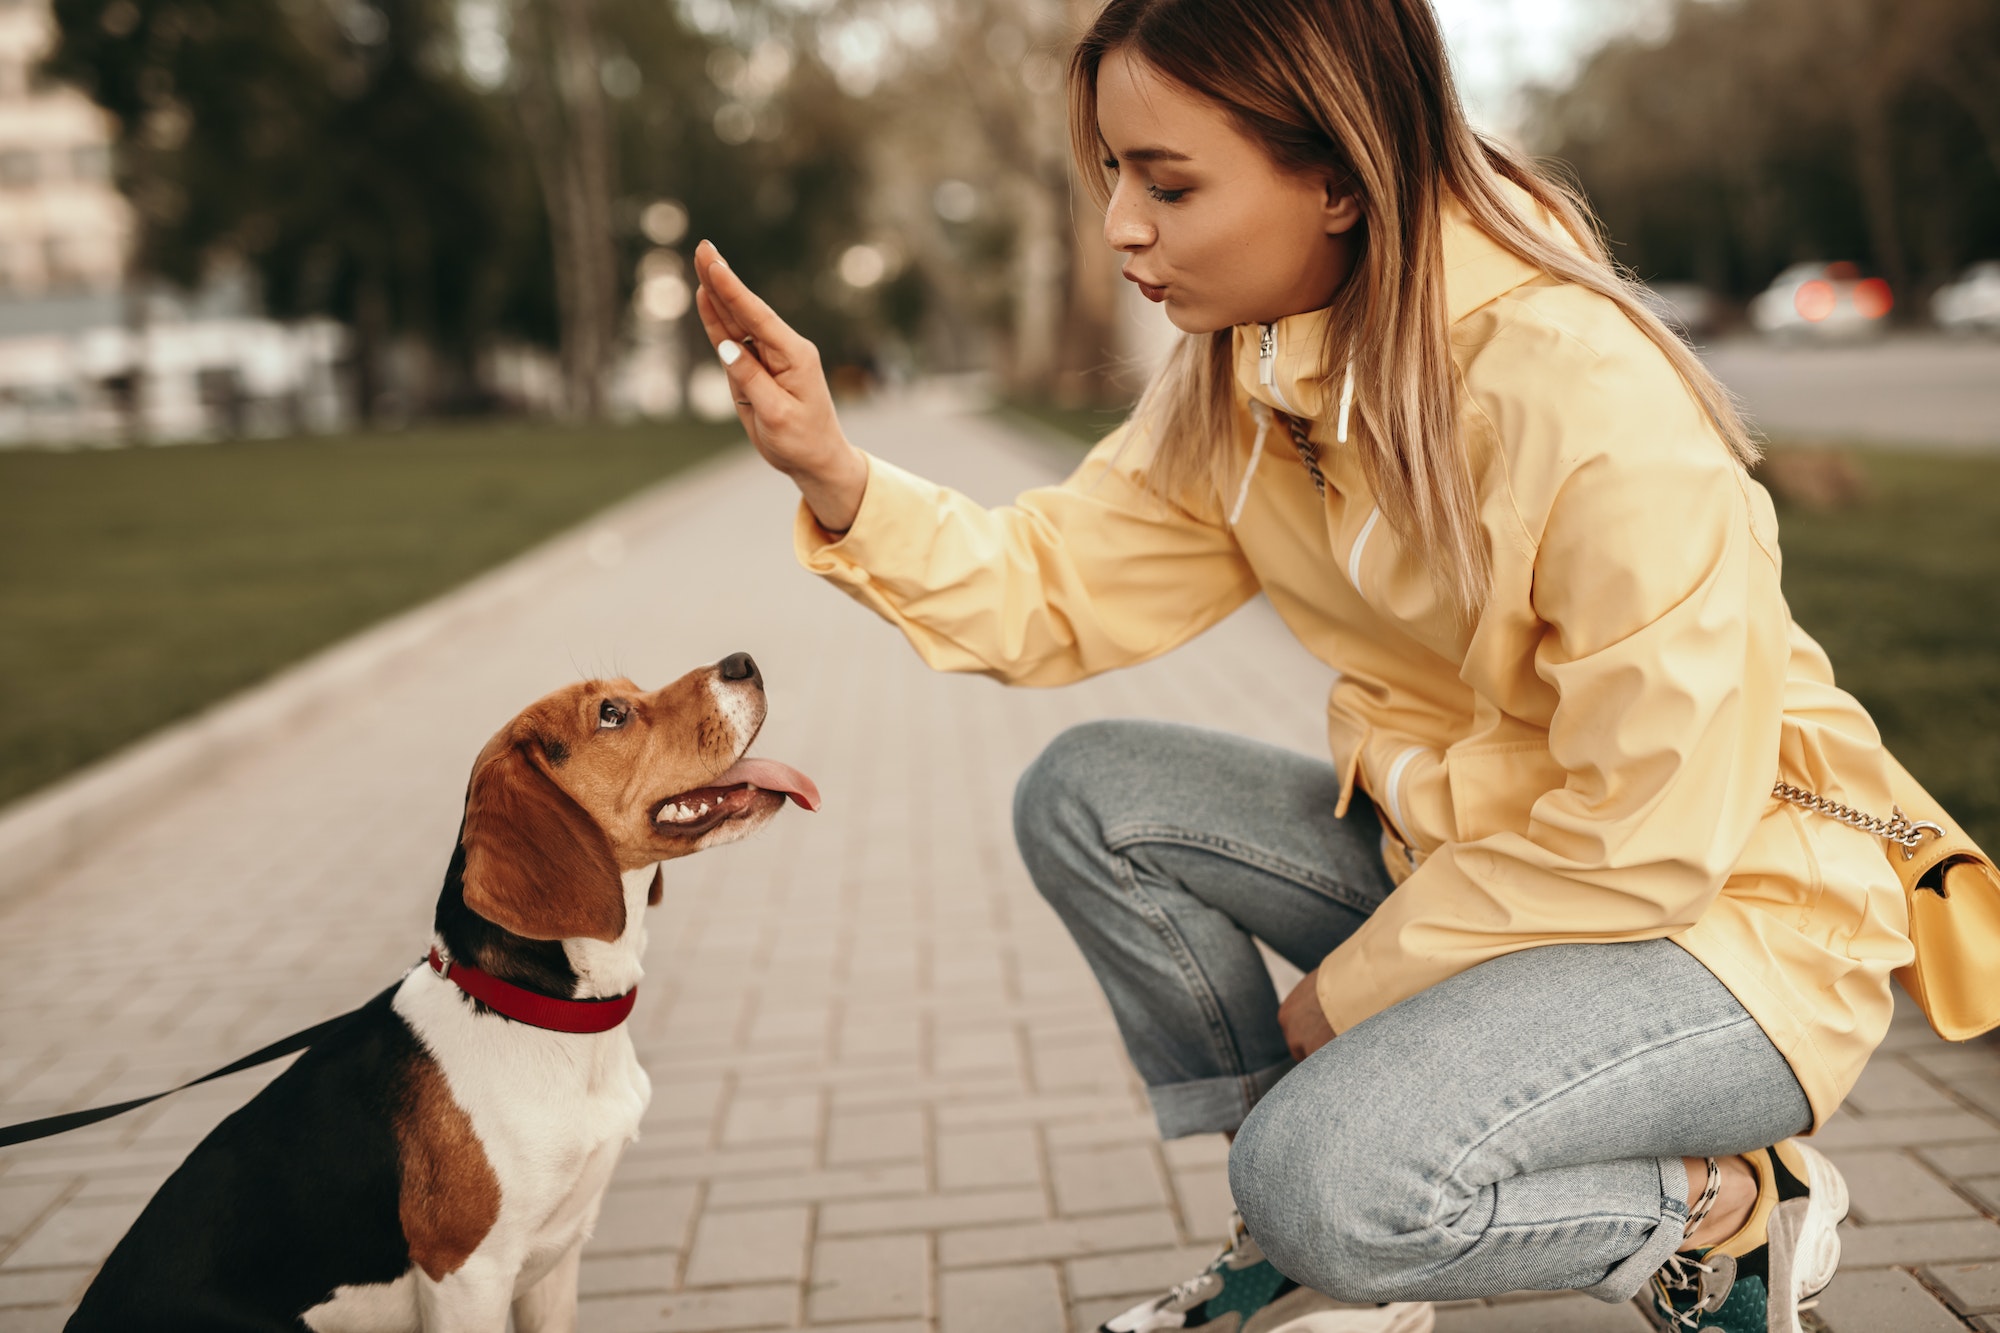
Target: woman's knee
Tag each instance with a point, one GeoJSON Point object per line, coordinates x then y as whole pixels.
{"type": "Point", "coordinates": [1058, 800]}
{"type": "Point", "coordinates": [1334, 1194]}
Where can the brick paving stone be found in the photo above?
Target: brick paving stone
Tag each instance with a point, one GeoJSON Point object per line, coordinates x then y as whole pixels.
{"type": "Point", "coordinates": [875, 1136]}
{"type": "Point", "coordinates": [75, 1233]}
{"type": "Point", "coordinates": [875, 1277]}
{"type": "Point", "coordinates": [1205, 1200]}
{"type": "Point", "coordinates": [1890, 1187]}
{"type": "Point", "coordinates": [623, 1274]}
{"type": "Point", "coordinates": [1056, 1240]}
{"type": "Point", "coordinates": [1971, 1288]}
{"type": "Point", "coordinates": [867, 1033]}
{"type": "Point", "coordinates": [970, 1159]}
{"type": "Point", "coordinates": [1134, 1275]}
{"type": "Point", "coordinates": [1000, 1300]}
{"type": "Point", "coordinates": [1107, 1180]}
{"type": "Point", "coordinates": [757, 1244]}
{"type": "Point", "coordinates": [42, 1319]}
{"type": "Point", "coordinates": [693, 1312]}
{"type": "Point", "coordinates": [933, 1212]}
{"type": "Point", "coordinates": [844, 1183]}
{"type": "Point", "coordinates": [1875, 1302]}
{"type": "Point", "coordinates": [40, 1286]}
{"type": "Point", "coordinates": [1903, 1243]}
{"type": "Point", "coordinates": [1843, 1130]}
{"type": "Point", "coordinates": [641, 1218]}
{"type": "Point", "coordinates": [1543, 1314]}
{"type": "Point", "coordinates": [1889, 1086]}
{"type": "Point", "coordinates": [23, 1203]}
{"type": "Point", "coordinates": [1964, 1160]}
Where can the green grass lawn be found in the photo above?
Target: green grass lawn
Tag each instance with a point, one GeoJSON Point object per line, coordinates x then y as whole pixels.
{"type": "Point", "coordinates": [137, 585]}
{"type": "Point", "coordinates": [1903, 591]}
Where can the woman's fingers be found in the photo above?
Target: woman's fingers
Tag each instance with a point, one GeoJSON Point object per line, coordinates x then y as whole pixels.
{"type": "Point", "coordinates": [714, 322]}
{"type": "Point", "coordinates": [742, 308]}
{"type": "Point", "coordinates": [751, 385]}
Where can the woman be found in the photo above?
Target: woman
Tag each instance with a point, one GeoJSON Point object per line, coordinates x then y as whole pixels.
{"type": "Point", "coordinates": [1574, 977]}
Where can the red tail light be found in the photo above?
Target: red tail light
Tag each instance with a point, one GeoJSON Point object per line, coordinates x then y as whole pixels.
{"type": "Point", "coordinates": [1814, 300]}
{"type": "Point", "coordinates": [1873, 298]}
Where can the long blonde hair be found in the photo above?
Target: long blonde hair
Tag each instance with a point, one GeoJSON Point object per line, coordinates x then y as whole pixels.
{"type": "Point", "coordinates": [1361, 89]}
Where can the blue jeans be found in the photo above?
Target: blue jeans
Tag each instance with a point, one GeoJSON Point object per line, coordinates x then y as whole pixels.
{"type": "Point", "coordinates": [1517, 1127]}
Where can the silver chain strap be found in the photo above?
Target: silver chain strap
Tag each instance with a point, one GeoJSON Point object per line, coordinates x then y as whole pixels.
{"type": "Point", "coordinates": [1900, 829]}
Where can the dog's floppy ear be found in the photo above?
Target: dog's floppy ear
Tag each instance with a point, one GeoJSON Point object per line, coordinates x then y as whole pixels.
{"type": "Point", "coordinates": [535, 863]}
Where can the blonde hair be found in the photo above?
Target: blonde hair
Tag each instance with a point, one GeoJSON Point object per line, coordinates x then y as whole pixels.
{"type": "Point", "coordinates": [1361, 89]}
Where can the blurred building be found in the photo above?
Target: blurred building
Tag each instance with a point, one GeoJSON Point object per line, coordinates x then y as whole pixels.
{"type": "Point", "coordinates": [84, 356]}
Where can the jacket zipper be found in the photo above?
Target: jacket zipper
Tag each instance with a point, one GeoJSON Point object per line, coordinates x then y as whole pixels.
{"type": "Point", "coordinates": [1267, 364]}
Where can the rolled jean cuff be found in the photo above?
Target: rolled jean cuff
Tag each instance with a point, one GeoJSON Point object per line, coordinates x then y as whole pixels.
{"type": "Point", "coordinates": [1212, 1105]}
{"type": "Point", "coordinates": [1622, 1283]}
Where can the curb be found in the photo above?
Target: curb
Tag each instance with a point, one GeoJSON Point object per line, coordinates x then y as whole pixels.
{"type": "Point", "coordinates": [44, 832]}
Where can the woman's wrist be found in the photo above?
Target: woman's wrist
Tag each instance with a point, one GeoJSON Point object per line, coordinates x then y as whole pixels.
{"type": "Point", "coordinates": [833, 491]}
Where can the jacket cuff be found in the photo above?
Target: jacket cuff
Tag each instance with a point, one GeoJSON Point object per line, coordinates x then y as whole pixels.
{"type": "Point", "coordinates": [891, 503]}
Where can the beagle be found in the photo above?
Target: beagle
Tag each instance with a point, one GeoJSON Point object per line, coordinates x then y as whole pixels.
{"type": "Point", "coordinates": [437, 1163]}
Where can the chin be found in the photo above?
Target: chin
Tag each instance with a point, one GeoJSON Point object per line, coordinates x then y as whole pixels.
{"type": "Point", "coordinates": [1197, 319]}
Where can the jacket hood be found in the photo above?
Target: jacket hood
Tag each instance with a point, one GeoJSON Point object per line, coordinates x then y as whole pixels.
{"type": "Point", "coordinates": [1477, 270]}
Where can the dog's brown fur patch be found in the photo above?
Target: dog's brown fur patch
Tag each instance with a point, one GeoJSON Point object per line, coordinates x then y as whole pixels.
{"type": "Point", "coordinates": [450, 1197]}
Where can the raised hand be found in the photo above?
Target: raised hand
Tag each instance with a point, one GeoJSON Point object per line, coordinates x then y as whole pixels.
{"type": "Point", "coordinates": [780, 391]}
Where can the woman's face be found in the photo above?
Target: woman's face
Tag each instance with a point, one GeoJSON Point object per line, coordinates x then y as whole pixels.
{"type": "Point", "coordinates": [1209, 225]}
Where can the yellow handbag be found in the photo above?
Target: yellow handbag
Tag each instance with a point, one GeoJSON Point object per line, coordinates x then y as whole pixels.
{"type": "Point", "coordinates": [1953, 892]}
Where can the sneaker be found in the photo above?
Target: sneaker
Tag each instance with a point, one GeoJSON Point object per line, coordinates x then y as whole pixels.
{"type": "Point", "coordinates": [1758, 1280]}
{"type": "Point", "coordinates": [1242, 1293]}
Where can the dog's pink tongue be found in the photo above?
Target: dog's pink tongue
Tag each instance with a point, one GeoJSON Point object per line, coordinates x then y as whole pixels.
{"type": "Point", "coordinates": [772, 776]}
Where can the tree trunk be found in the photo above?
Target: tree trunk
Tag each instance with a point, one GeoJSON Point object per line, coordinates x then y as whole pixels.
{"type": "Point", "coordinates": [561, 105]}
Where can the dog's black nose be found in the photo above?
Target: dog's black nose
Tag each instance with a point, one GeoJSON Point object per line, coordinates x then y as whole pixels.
{"type": "Point", "coordinates": [739, 666]}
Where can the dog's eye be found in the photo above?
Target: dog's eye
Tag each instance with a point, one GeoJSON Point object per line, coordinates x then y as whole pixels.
{"type": "Point", "coordinates": [611, 714]}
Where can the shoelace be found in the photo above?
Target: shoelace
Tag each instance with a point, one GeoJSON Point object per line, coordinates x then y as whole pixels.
{"type": "Point", "coordinates": [1681, 1274]}
{"type": "Point", "coordinates": [1207, 1283]}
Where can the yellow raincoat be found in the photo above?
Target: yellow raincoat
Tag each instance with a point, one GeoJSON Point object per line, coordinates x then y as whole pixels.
{"type": "Point", "coordinates": [1591, 759]}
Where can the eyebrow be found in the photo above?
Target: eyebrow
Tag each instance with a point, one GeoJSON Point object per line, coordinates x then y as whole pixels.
{"type": "Point", "coordinates": [1151, 155]}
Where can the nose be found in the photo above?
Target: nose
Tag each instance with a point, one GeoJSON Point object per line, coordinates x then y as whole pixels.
{"type": "Point", "coordinates": [740, 666]}
{"type": "Point", "coordinates": [1124, 229]}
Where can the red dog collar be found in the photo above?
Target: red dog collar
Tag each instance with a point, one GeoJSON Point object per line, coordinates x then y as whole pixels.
{"type": "Point", "coordinates": [532, 1007]}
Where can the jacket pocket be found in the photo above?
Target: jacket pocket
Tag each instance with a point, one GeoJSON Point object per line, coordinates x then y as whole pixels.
{"type": "Point", "coordinates": [1494, 787]}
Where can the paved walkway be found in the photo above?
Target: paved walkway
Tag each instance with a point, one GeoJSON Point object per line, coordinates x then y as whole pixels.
{"type": "Point", "coordinates": [887, 1093]}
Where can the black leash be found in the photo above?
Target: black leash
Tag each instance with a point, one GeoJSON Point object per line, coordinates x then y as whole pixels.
{"type": "Point", "coordinates": [50, 1126]}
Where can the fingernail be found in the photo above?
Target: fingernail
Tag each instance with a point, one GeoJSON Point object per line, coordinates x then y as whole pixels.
{"type": "Point", "coordinates": [728, 351]}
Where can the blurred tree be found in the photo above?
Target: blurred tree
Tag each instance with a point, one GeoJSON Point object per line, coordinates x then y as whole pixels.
{"type": "Point", "coordinates": [330, 145]}
{"type": "Point", "coordinates": [1761, 132]}
{"type": "Point", "coordinates": [558, 90]}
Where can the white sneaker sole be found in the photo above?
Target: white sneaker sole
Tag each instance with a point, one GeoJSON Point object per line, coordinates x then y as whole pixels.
{"type": "Point", "coordinates": [1402, 1317]}
{"type": "Point", "coordinates": [1805, 1241]}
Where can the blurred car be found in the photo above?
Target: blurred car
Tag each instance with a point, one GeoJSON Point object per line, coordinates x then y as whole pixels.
{"type": "Point", "coordinates": [1822, 301]}
{"type": "Point", "coordinates": [1684, 305]}
{"type": "Point", "coordinates": [1972, 304]}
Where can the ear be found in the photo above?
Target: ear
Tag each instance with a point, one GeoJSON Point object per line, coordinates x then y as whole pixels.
{"type": "Point", "coordinates": [535, 863]}
{"type": "Point", "coordinates": [1340, 211]}
{"type": "Point", "coordinates": [658, 888]}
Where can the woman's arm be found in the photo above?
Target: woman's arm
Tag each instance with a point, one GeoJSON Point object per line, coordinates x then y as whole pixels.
{"type": "Point", "coordinates": [1067, 581]}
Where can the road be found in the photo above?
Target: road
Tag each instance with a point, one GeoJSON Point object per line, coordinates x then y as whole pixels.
{"type": "Point", "coordinates": [1916, 389]}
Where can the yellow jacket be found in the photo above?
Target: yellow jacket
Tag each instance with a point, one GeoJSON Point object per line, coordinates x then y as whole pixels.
{"type": "Point", "coordinates": [1591, 759]}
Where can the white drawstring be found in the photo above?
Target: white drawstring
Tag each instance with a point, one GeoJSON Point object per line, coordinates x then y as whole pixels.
{"type": "Point", "coordinates": [1346, 401]}
{"type": "Point", "coordinates": [1263, 415]}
